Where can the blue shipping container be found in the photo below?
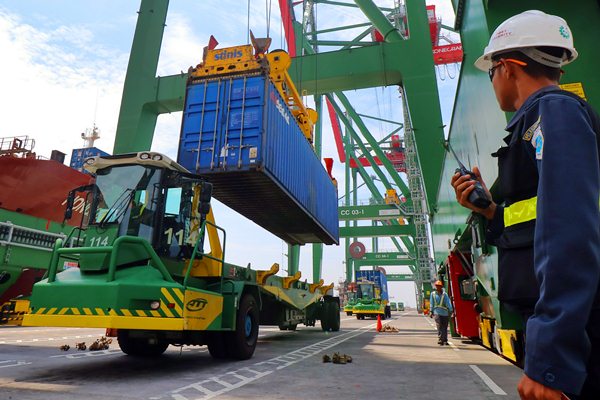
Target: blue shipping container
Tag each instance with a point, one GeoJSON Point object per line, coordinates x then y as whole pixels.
{"type": "Point", "coordinates": [240, 135]}
{"type": "Point", "coordinates": [376, 276]}
{"type": "Point", "coordinates": [78, 157]}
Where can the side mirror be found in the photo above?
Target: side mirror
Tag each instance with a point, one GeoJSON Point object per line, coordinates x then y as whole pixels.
{"type": "Point", "coordinates": [205, 196]}
{"type": "Point", "coordinates": [69, 208]}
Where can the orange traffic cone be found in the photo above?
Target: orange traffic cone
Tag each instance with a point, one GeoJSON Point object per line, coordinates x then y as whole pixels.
{"type": "Point", "coordinates": [378, 322]}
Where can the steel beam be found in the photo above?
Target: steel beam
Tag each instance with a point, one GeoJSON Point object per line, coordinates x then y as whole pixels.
{"type": "Point", "coordinates": [386, 256]}
{"type": "Point", "coordinates": [384, 263]}
{"type": "Point", "coordinates": [317, 248]}
{"type": "Point", "coordinates": [400, 277]}
{"type": "Point", "coordinates": [370, 212]}
{"type": "Point", "coordinates": [135, 127]}
{"type": "Point", "coordinates": [377, 231]}
{"type": "Point", "coordinates": [380, 21]}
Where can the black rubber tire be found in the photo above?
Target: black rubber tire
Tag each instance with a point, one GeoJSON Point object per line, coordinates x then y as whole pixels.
{"type": "Point", "coordinates": [217, 345]}
{"type": "Point", "coordinates": [330, 320]}
{"type": "Point", "coordinates": [324, 318]}
{"type": "Point", "coordinates": [139, 347]}
{"type": "Point", "coordinates": [334, 313]}
{"type": "Point", "coordinates": [242, 341]}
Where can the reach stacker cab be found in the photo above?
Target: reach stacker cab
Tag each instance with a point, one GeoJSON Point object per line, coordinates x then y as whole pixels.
{"type": "Point", "coordinates": [372, 295]}
{"type": "Point", "coordinates": [147, 271]}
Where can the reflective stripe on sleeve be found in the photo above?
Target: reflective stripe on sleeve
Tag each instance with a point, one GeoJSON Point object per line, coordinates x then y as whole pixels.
{"type": "Point", "coordinates": [519, 212]}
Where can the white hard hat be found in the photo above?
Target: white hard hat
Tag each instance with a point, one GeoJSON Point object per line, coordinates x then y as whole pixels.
{"type": "Point", "coordinates": [527, 30]}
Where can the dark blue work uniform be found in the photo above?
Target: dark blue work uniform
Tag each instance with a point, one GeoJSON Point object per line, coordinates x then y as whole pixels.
{"type": "Point", "coordinates": [549, 176]}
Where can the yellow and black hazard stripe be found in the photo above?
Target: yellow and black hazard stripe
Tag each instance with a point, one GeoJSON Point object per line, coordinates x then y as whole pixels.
{"type": "Point", "coordinates": [171, 302]}
{"type": "Point", "coordinates": [167, 317]}
{"type": "Point", "coordinates": [171, 306]}
{"type": "Point", "coordinates": [13, 318]}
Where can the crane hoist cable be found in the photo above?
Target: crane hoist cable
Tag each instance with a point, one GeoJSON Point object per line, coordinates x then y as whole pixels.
{"type": "Point", "coordinates": [248, 27]}
{"type": "Point", "coordinates": [268, 15]}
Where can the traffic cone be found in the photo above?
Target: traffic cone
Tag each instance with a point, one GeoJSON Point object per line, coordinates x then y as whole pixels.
{"type": "Point", "coordinates": [378, 322]}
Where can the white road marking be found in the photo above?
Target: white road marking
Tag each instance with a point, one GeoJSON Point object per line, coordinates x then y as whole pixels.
{"type": "Point", "coordinates": [47, 339]}
{"type": "Point", "coordinates": [229, 381]}
{"type": "Point", "coordinates": [453, 346]}
{"type": "Point", "coordinates": [85, 354]}
{"type": "Point", "coordinates": [15, 363]}
{"type": "Point", "coordinates": [488, 381]}
{"type": "Point", "coordinates": [19, 329]}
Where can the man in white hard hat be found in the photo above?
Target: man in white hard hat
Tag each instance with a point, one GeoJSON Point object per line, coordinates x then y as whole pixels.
{"type": "Point", "coordinates": [547, 221]}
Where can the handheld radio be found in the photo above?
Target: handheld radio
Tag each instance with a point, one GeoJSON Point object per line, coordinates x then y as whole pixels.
{"type": "Point", "coordinates": [478, 197]}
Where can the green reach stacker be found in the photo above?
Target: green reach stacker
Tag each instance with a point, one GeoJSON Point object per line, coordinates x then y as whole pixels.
{"type": "Point", "coordinates": [146, 271]}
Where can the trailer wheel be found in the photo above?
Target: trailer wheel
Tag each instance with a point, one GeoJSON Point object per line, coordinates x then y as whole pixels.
{"type": "Point", "coordinates": [330, 320]}
{"type": "Point", "coordinates": [348, 313]}
{"type": "Point", "coordinates": [139, 347]}
{"type": "Point", "coordinates": [217, 346]}
{"type": "Point", "coordinates": [245, 336]}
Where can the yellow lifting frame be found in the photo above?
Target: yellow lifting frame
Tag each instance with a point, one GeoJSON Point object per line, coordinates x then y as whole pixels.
{"type": "Point", "coordinates": [279, 62]}
{"type": "Point", "coordinates": [246, 59]}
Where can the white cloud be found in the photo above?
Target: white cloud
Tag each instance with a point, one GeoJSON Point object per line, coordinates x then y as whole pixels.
{"type": "Point", "coordinates": [52, 91]}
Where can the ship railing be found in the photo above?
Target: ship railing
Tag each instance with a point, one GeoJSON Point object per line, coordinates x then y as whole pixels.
{"type": "Point", "coordinates": [16, 145]}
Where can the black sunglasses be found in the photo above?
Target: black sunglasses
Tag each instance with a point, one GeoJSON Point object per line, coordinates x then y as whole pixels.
{"type": "Point", "coordinates": [491, 71]}
{"type": "Point", "coordinates": [511, 60]}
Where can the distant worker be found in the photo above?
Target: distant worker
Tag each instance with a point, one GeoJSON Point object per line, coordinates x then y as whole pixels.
{"type": "Point", "coordinates": [546, 223]}
{"type": "Point", "coordinates": [441, 309]}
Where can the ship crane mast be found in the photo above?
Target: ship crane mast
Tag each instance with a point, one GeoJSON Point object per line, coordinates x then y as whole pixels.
{"type": "Point", "coordinates": [90, 136]}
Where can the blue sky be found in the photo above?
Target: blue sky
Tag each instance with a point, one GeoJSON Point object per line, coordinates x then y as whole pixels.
{"type": "Point", "coordinates": [63, 66]}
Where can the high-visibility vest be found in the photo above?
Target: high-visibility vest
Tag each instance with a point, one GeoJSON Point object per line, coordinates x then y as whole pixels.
{"type": "Point", "coordinates": [441, 301]}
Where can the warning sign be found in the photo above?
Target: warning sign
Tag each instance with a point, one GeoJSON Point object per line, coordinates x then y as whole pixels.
{"type": "Point", "coordinates": [576, 88]}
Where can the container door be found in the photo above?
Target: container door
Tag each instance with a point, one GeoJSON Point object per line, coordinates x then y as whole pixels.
{"type": "Point", "coordinates": [242, 123]}
{"type": "Point", "coordinates": [200, 140]}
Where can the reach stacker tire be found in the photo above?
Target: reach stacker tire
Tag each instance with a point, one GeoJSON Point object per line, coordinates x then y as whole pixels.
{"type": "Point", "coordinates": [140, 346]}
{"type": "Point", "coordinates": [330, 320]}
{"type": "Point", "coordinates": [217, 347]}
{"type": "Point", "coordinates": [243, 340]}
